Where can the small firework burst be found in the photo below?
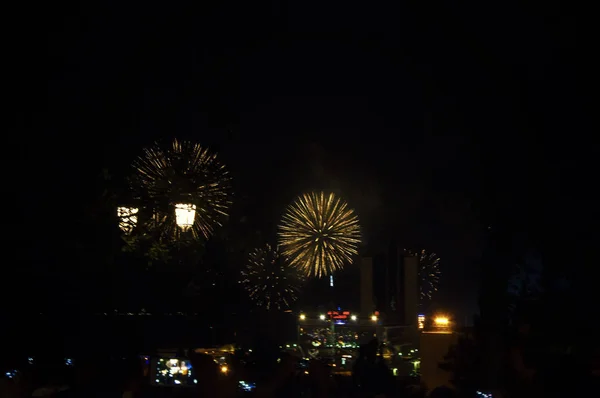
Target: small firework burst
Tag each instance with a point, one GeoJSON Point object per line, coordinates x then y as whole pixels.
{"type": "Point", "coordinates": [429, 274]}
{"type": "Point", "coordinates": [319, 234]}
{"type": "Point", "coordinates": [188, 174]}
{"type": "Point", "coordinates": [269, 283]}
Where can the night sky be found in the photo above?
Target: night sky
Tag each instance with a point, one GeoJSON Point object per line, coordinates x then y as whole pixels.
{"type": "Point", "coordinates": [433, 121]}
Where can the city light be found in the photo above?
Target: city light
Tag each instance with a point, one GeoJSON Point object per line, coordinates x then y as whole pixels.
{"type": "Point", "coordinates": [185, 214]}
{"type": "Point", "coordinates": [302, 317]}
{"type": "Point", "coordinates": [441, 321]}
{"type": "Point", "coordinates": [186, 175]}
{"type": "Point", "coordinates": [421, 321]}
{"type": "Point", "coordinates": [127, 218]}
{"type": "Point", "coordinates": [353, 317]}
{"type": "Point", "coordinates": [224, 369]}
{"type": "Point", "coordinates": [374, 318]}
{"type": "Point", "coordinates": [322, 317]}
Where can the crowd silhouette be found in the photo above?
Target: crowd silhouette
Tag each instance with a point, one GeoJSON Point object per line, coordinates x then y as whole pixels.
{"type": "Point", "coordinates": [273, 373]}
{"type": "Point", "coordinates": [93, 374]}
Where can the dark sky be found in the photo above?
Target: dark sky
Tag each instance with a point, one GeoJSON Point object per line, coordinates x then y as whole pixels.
{"type": "Point", "coordinates": [433, 121]}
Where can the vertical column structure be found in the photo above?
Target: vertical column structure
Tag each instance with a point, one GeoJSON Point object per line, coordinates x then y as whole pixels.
{"type": "Point", "coordinates": [411, 290]}
{"type": "Point", "coordinates": [366, 287]}
{"type": "Point", "coordinates": [398, 286]}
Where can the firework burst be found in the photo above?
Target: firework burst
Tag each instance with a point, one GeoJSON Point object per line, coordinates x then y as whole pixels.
{"type": "Point", "coordinates": [429, 274]}
{"type": "Point", "coordinates": [319, 234]}
{"type": "Point", "coordinates": [184, 173]}
{"type": "Point", "coordinates": [268, 281]}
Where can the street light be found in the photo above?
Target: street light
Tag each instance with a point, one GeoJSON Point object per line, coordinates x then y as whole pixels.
{"type": "Point", "coordinates": [302, 317]}
{"type": "Point", "coordinates": [322, 317]}
{"type": "Point", "coordinates": [185, 214]}
{"type": "Point", "coordinates": [374, 318]}
{"type": "Point", "coordinates": [441, 321]}
{"type": "Point", "coordinates": [127, 218]}
{"type": "Point", "coordinates": [353, 317]}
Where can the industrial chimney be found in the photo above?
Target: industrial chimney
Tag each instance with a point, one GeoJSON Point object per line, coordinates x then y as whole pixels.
{"type": "Point", "coordinates": [366, 287]}
{"type": "Point", "coordinates": [411, 290]}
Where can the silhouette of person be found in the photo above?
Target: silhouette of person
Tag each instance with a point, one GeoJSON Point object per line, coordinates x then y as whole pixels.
{"type": "Point", "coordinates": [211, 381]}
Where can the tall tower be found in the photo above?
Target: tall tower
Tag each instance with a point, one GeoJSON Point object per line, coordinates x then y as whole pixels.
{"type": "Point", "coordinates": [366, 286]}
{"type": "Point", "coordinates": [411, 290]}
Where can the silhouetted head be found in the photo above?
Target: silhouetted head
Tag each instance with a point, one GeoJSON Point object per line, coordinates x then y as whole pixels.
{"type": "Point", "coordinates": [50, 369]}
{"type": "Point", "coordinates": [132, 372]}
{"type": "Point", "coordinates": [204, 366]}
{"type": "Point", "coordinates": [442, 392]}
{"type": "Point", "coordinates": [524, 328]}
{"type": "Point", "coordinates": [370, 350]}
{"type": "Point", "coordinates": [88, 370]}
{"type": "Point", "coordinates": [363, 351]}
{"type": "Point", "coordinates": [208, 375]}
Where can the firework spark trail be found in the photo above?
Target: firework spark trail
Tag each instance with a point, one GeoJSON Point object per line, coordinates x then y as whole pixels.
{"type": "Point", "coordinates": [319, 234]}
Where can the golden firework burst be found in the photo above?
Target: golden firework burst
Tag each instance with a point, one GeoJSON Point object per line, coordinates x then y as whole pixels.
{"type": "Point", "coordinates": [319, 234]}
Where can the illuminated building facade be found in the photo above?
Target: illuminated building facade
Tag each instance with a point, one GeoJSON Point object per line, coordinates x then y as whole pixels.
{"type": "Point", "coordinates": [350, 328]}
{"type": "Point", "coordinates": [421, 321]}
{"type": "Point", "coordinates": [336, 330]}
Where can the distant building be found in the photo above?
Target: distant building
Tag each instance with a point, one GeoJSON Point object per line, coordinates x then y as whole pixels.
{"type": "Point", "coordinates": [389, 284]}
{"type": "Point", "coordinates": [382, 285]}
{"type": "Point", "coordinates": [398, 296]}
{"type": "Point", "coordinates": [339, 328]}
{"type": "Point", "coordinates": [367, 301]}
